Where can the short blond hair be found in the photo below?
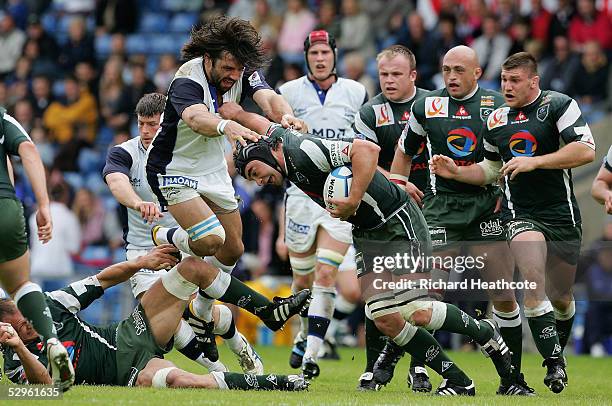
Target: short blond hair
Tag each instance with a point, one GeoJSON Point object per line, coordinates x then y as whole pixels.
{"type": "Point", "coordinates": [395, 50]}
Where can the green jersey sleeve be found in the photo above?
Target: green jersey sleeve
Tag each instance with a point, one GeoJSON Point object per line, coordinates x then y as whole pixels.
{"type": "Point", "coordinates": [78, 295]}
{"type": "Point", "coordinates": [325, 154]}
{"type": "Point", "coordinates": [413, 135]}
{"type": "Point", "coordinates": [571, 125]}
{"type": "Point", "coordinates": [491, 150]}
{"type": "Point", "coordinates": [365, 123]}
{"type": "Point", "coordinates": [608, 160]}
{"type": "Point", "coordinates": [12, 135]}
{"type": "Point", "coordinates": [13, 369]}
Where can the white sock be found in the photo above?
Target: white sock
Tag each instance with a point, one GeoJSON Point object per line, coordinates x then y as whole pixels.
{"type": "Point", "coordinates": [219, 265]}
{"type": "Point", "coordinates": [319, 315]}
{"type": "Point", "coordinates": [202, 307]}
{"type": "Point", "coordinates": [183, 335]}
{"type": "Point", "coordinates": [219, 285]}
{"type": "Point", "coordinates": [216, 366]}
{"type": "Point", "coordinates": [233, 339]}
{"type": "Point", "coordinates": [180, 239]}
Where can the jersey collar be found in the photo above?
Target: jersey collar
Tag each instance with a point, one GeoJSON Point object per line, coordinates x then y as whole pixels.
{"type": "Point", "coordinates": [408, 99]}
{"type": "Point", "coordinates": [533, 101]}
{"type": "Point", "coordinates": [468, 96]}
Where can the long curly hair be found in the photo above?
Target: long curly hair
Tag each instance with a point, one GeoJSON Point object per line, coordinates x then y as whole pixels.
{"type": "Point", "coordinates": [225, 34]}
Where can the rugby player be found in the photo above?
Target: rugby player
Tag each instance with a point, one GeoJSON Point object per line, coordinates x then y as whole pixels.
{"type": "Point", "coordinates": [316, 242]}
{"type": "Point", "coordinates": [131, 352]}
{"type": "Point", "coordinates": [14, 253]}
{"type": "Point", "coordinates": [381, 121]}
{"type": "Point", "coordinates": [533, 141]}
{"type": "Point", "coordinates": [125, 175]}
{"type": "Point", "coordinates": [449, 122]}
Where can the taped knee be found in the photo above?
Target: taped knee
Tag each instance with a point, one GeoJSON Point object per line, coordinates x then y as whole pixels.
{"type": "Point", "coordinates": [329, 257]}
{"type": "Point", "coordinates": [303, 265]}
{"type": "Point", "coordinates": [159, 378]}
{"type": "Point", "coordinates": [178, 286]}
{"type": "Point", "coordinates": [224, 322]}
{"type": "Point", "coordinates": [205, 228]}
{"type": "Point", "coordinates": [438, 316]}
{"type": "Point", "coordinates": [544, 307]}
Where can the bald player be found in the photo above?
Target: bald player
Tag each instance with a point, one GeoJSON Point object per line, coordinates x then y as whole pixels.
{"type": "Point", "coordinates": [462, 218]}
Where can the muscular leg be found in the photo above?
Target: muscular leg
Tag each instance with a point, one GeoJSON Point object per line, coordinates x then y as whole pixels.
{"type": "Point", "coordinates": [560, 278]}
{"type": "Point", "coordinates": [302, 265]}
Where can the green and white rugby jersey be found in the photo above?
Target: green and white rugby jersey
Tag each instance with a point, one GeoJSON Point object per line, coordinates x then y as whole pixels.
{"type": "Point", "coordinates": [540, 128]}
{"type": "Point", "coordinates": [11, 135]}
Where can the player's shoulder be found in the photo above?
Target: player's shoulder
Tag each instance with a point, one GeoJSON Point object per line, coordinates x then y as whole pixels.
{"type": "Point", "coordinates": [555, 99]}
{"type": "Point", "coordinates": [368, 106]}
{"type": "Point", "coordinates": [351, 85]}
{"type": "Point", "coordinates": [131, 146]}
{"type": "Point", "coordinates": [193, 70]}
{"type": "Point", "coordinates": [420, 93]}
{"type": "Point", "coordinates": [293, 85]}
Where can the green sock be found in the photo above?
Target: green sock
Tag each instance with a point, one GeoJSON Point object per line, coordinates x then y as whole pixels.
{"type": "Point", "coordinates": [544, 332]}
{"type": "Point", "coordinates": [424, 347]}
{"type": "Point", "coordinates": [564, 329]}
{"type": "Point", "coordinates": [458, 321]}
{"type": "Point", "coordinates": [242, 296]}
{"type": "Point", "coordinates": [256, 382]}
{"type": "Point", "coordinates": [416, 363]}
{"type": "Point", "coordinates": [511, 329]}
{"type": "Point", "coordinates": [34, 308]}
{"type": "Point", "coordinates": [375, 342]}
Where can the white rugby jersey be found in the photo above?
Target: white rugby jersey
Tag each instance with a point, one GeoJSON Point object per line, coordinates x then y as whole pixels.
{"type": "Point", "coordinates": [176, 148]}
{"type": "Point", "coordinates": [129, 158]}
{"type": "Point", "coordinates": [329, 114]}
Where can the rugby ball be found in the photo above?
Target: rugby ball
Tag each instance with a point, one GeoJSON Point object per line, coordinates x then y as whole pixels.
{"type": "Point", "coordinates": [337, 185]}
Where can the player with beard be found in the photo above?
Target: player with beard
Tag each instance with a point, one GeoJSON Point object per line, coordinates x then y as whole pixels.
{"type": "Point", "coordinates": [533, 141]}
{"type": "Point", "coordinates": [317, 243]}
{"type": "Point", "coordinates": [382, 121]}
{"type": "Point", "coordinates": [186, 165]}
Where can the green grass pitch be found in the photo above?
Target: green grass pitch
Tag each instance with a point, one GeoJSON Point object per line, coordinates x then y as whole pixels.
{"type": "Point", "coordinates": [588, 385]}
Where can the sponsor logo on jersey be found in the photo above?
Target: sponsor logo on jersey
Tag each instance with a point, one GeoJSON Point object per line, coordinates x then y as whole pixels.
{"type": "Point", "coordinates": [523, 143]}
{"type": "Point", "coordinates": [301, 178]}
{"type": "Point", "coordinates": [436, 107]}
{"type": "Point", "coordinates": [545, 100]}
{"type": "Point", "coordinates": [405, 117]}
{"type": "Point", "coordinates": [485, 112]}
{"type": "Point", "coordinates": [498, 118]}
{"type": "Point", "coordinates": [384, 114]}
{"type": "Point", "coordinates": [542, 112]}
{"type": "Point", "coordinates": [437, 235]}
{"type": "Point", "coordinates": [491, 227]}
{"type": "Point", "coordinates": [255, 79]}
{"type": "Point", "coordinates": [487, 101]}
{"type": "Point", "coordinates": [462, 114]}
{"type": "Point", "coordinates": [461, 141]}
{"type": "Point", "coordinates": [132, 376]}
{"type": "Point", "coordinates": [298, 228]}
{"type": "Point", "coordinates": [520, 118]}
{"type": "Point", "coordinates": [517, 227]}
{"type": "Point", "coordinates": [173, 180]}
{"type": "Point", "coordinates": [135, 182]}
{"type": "Point", "coordinates": [338, 152]}
{"type": "Point", "coordinates": [329, 133]}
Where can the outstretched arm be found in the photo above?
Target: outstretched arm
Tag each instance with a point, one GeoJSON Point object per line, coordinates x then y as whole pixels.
{"type": "Point", "coordinates": [276, 108]}
{"type": "Point", "coordinates": [255, 122]}
{"type": "Point", "coordinates": [600, 190]}
{"type": "Point", "coordinates": [157, 259]}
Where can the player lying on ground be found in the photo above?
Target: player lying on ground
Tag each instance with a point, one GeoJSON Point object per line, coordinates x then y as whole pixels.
{"type": "Point", "coordinates": [380, 211]}
{"type": "Point", "coordinates": [130, 353]}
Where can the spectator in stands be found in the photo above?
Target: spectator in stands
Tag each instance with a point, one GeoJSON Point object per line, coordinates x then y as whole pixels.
{"type": "Point", "coordinates": [132, 93]}
{"type": "Point", "coordinates": [75, 6]}
{"type": "Point", "coordinates": [520, 31]}
{"type": "Point", "coordinates": [266, 21]}
{"type": "Point", "coordinates": [18, 9]}
{"type": "Point", "coordinates": [4, 99]}
{"type": "Point", "coordinates": [110, 91]}
{"type": "Point", "coordinates": [355, 31]}
{"type": "Point", "coordinates": [470, 23]}
{"type": "Point", "coordinates": [117, 16]}
{"type": "Point", "coordinates": [46, 150]}
{"type": "Point", "coordinates": [117, 46]}
{"type": "Point", "coordinates": [506, 14]}
{"type": "Point", "coordinates": [328, 18]}
{"type": "Point", "coordinates": [52, 263]}
{"type": "Point", "coordinates": [422, 44]}
{"type": "Point", "coordinates": [23, 70]}
{"type": "Point", "coordinates": [18, 90]}
{"type": "Point", "coordinates": [589, 24]}
{"type": "Point", "coordinates": [590, 83]}
{"type": "Point", "coordinates": [47, 45]}
{"type": "Point", "coordinates": [445, 36]}
{"type": "Point", "coordinates": [540, 20]}
{"type": "Point", "coordinates": [86, 75]}
{"type": "Point", "coordinates": [165, 72]}
{"type": "Point", "coordinates": [492, 48]}
{"type": "Point", "coordinates": [40, 95]}
{"type": "Point", "coordinates": [79, 46]}
{"type": "Point", "coordinates": [354, 68]}
{"type": "Point", "coordinates": [97, 225]}
{"type": "Point", "coordinates": [298, 21]}
{"type": "Point", "coordinates": [24, 114]}
{"type": "Point", "coordinates": [561, 18]}
{"type": "Point", "coordinates": [76, 108]}
{"type": "Point", "coordinates": [11, 44]}
{"type": "Point", "coordinates": [559, 71]}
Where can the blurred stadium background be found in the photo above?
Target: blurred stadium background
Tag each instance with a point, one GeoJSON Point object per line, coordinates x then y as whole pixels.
{"type": "Point", "coordinates": [72, 71]}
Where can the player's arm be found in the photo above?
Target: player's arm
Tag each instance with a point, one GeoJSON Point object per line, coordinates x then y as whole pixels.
{"type": "Point", "coordinates": [116, 175]}
{"type": "Point", "coordinates": [9, 169]}
{"type": "Point", "coordinates": [276, 107]}
{"type": "Point", "coordinates": [255, 122]}
{"type": "Point", "coordinates": [18, 142]}
{"type": "Point", "coordinates": [158, 258]}
{"type": "Point", "coordinates": [35, 372]}
{"type": "Point", "coordinates": [579, 146]}
{"type": "Point", "coordinates": [600, 190]}
{"type": "Point", "coordinates": [408, 145]}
